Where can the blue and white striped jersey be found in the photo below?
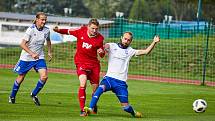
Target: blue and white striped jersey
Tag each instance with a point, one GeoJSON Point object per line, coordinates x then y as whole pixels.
{"type": "Point", "coordinates": [35, 41]}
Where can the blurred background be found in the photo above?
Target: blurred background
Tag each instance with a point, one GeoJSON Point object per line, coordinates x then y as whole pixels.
{"type": "Point", "coordinates": [146, 10]}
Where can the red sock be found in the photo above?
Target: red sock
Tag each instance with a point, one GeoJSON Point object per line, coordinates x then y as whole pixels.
{"type": "Point", "coordinates": [82, 97]}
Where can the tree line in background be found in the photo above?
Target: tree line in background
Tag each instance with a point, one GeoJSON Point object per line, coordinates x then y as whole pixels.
{"type": "Point", "coordinates": [146, 10]}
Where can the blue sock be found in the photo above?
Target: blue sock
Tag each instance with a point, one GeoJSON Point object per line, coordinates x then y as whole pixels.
{"type": "Point", "coordinates": [15, 89]}
{"type": "Point", "coordinates": [39, 86]}
{"type": "Point", "coordinates": [95, 97]}
{"type": "Point", "coordinates": [129, 109]}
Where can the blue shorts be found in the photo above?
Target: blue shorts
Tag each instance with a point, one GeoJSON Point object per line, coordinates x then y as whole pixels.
{"type": "Point", "coordinates": [22, 67]}
{"type": "Point", "coordinates": [116, 86]}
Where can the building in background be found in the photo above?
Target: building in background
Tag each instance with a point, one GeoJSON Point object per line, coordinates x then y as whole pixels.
{"type": "Point", "coordinates": [13, 26]}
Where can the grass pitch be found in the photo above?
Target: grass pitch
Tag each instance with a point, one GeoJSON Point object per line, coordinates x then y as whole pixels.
{"type": "Point", "coordinates": [59, 102]}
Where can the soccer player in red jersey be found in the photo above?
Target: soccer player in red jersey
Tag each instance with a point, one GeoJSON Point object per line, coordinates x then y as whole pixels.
{"type": "Point", "coordinates": [89, 44]}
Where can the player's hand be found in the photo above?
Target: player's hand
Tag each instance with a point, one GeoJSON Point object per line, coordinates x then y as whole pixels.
{"type": "Point", "coordinates": [156, 39]}
{"type": "Point", "coordinates": [56, 29]}
{"type": "Point", "coordinates": [101, 52]}
{"type": "Point", "coordinates": [50, 56]}
{"type": "Point", "coordinates": [106, 47]}
{"type": "Point", "coordinates": [35, 56]}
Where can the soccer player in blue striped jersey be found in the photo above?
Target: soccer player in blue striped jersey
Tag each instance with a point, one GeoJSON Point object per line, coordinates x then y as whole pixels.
{"type": "Point", "coordinates": [119, 55]}
{"type": "Point", "coordinates": [32, 56]}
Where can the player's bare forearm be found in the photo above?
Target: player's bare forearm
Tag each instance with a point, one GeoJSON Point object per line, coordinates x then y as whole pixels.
{"type": "Point", "coordinates": [25, 47]}
{"type": "Point", "coordinates": [61, 31]}
{"type": "Point", "coordinates": [49, 45]}
{"type": "Point", "coordinates": [106, 47]}
{"type": "Point", "coordinates": [49, 50]}
{"type": "Point", "coordinates": [101, 52]}
{"type": "Point", "coordinates": [150, 47]}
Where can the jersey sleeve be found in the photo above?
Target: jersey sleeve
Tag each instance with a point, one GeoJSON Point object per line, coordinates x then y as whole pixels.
{"type": "Point", "coordinates": [27, 34]}
{"type": "Point", "coordinates": [101, 44]}
{"type": "Point", "coordinates": [133, 52]}
{"type": "Point", "coordinates": [48, 36]}
{"type": "Point", "coordinates": [74, 31]}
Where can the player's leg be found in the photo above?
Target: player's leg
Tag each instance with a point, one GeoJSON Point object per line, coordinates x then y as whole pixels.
{"type": "Point", "coordinates": [42, 69]}
{"type": "Point", "coordinates": [22, 67]}
{"type": "Point", "coordinates": [82, 71]}
{"type": "Point", "coordinates": [122, 94]}
{"type": "Point", "coordinates": [16, 85]}
{"type": "Point", "coordinates": [128, 108]}
{"type": "Point", "coordinates": [82, 93]}
{"type": "Point", "coordinates": [41, 82]}
{"type": "Point", "coordinates": [94, 87]}
{"type": "Point", "coordinates": [105, 85]}
{"type": "Point", "coordinates": [94, 77]}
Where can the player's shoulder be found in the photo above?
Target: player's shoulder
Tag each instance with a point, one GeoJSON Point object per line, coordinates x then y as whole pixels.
{"type": "Point", "coordinates": [112, 45]}
{"type": "Point", "coordinates": [31, 27]}
{"type": "Point", "coordinates": [82, 28]}
{"type": "Point", "coordinates": [100, 36]}
{"type": "Point", "coordinates": [130, 48]}
{"type": "Point", "coordinates": [46, 29]}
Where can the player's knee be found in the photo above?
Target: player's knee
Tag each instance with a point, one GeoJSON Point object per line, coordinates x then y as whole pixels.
{"type": "Point", "coordinates": [44, 78]}
{"type": "Point", "coordinates": [83, 85]}
{"type": "Point", "coordinates": [123, 99]}
{"type": "Point", "coordinates": [102, 87]}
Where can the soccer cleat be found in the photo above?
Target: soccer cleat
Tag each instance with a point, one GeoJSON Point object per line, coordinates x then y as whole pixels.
{"type": "Point", "coordinates": [12, 100]}
{"type": "Point", "coordinates": [83, 114]}
{"type": "Point", "coordinates": [89, 111]}
{"type": "Point", "coordinates": [95, 110]}
{"type": "Point", "coordinates": [138, 115]}
{"type": "Point", "coordinates": [35, 99]}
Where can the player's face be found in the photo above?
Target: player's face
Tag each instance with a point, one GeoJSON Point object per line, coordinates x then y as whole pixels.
{"type": "Point", "coordinates": [126, 39]}
{"type": "Point", "coordinates": [93, 29]}
{"type": "Point", "coordinates": [41, 21]}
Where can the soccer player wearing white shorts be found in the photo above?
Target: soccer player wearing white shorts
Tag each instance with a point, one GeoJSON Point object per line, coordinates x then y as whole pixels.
{"type": "Point", "coordinates": [119, 55]}
{"type": "Point", "coordinates": [32, 56]}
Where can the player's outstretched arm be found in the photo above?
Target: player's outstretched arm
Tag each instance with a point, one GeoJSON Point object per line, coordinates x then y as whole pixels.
{"type": "Point", "coordinates": [61, 31]}
{"type": "Point", "coordinates": [150, 47]}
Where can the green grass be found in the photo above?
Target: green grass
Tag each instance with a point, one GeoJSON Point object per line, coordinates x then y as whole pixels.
{"type": "Point", "coordinates": [157, 101]}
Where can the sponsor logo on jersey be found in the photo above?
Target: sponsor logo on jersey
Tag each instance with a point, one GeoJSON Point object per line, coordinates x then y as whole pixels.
{"type": "Point", "coordinates": [86, 45]}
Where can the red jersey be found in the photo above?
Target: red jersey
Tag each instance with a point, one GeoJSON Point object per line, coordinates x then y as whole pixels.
{"type": "Point", "coordinates": [86, 52]}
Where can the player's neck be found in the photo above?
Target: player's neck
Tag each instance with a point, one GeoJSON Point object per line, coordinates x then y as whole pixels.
{"type": "Point", "coordinates": [39, 28]}
{"type": "Point", "coordinates": [122, 46]}
{"type": "Point", "coordinates": [90, 35]}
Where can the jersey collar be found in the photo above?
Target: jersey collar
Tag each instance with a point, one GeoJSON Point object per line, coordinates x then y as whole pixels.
{"type": "Point", "coordinates": [39, 29]}
{"type": "Point", "coordinates": [121, 46]}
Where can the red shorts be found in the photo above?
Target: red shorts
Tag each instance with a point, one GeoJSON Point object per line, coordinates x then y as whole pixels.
{"type": "Point", "coordinates": [92, 72]}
